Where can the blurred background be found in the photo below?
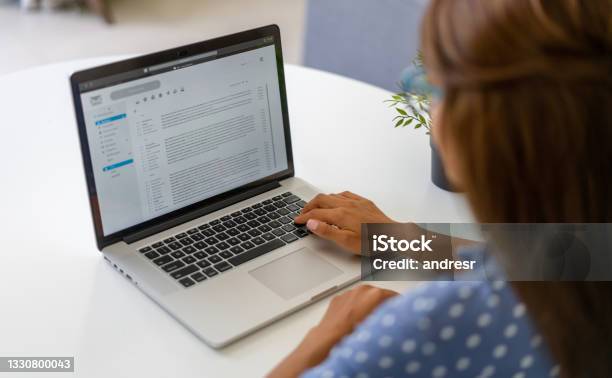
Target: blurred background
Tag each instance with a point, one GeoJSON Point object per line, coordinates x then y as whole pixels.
{"type": "Point", "coordinates": [369, 40]}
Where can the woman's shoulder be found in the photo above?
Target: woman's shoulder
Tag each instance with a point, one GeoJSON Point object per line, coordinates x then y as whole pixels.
{"type": "Point", "coordinates": [445, 310]}
{"type": "Point", "coordinates": [446, 328]}
{"type": "Point", "coordinates": [459, 302]}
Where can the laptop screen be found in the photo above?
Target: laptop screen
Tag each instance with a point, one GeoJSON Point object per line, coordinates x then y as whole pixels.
{"type": "Point", "coordinates": [170, 135]}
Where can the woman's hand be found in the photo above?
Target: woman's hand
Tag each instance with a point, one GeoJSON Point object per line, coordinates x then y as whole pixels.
{"type": "Point", "coordinates": [338, 217]}
{"type": "Point", "coordinates": [350, 308]}
{"type": "Point", "coordinates": [344, 313]}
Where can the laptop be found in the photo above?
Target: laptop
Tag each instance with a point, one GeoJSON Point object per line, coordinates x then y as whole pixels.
{"type": "Point", "coordinates": [189, 168]}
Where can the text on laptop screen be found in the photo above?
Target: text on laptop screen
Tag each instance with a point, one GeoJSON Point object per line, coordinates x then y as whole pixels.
{"type": "Point", "coordinates": [201, 126]}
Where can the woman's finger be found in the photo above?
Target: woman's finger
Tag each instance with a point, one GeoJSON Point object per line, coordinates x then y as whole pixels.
{"type": "Point", "coordinates": [338, 217]}
{"type": "Point", "coordinates": [344, 238]}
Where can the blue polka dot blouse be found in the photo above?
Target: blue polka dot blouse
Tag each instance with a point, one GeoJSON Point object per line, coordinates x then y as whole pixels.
{"type": "Point", "coordinates": [444, 329]}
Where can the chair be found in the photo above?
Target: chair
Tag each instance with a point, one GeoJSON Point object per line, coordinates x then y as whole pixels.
{"type": "Point", "coordinates": [368, 40]}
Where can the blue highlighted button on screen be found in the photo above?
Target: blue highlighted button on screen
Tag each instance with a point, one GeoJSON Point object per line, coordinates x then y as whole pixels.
{"type": "Point", "coordinates": [117, 165]}
{"type": "Point", "coordinates": [111, 119]}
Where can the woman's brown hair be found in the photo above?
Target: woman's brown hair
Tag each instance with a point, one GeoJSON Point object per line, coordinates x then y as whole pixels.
{"type": "Point", "coordinates": [527, 109]}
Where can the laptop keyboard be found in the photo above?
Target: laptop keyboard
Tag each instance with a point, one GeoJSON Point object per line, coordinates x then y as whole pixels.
{"type": "Point", "coordinates": [215, 247]}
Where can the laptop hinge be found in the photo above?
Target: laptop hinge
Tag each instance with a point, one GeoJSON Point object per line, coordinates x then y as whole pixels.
{"type": "Point", "coordinates": [134, 237]}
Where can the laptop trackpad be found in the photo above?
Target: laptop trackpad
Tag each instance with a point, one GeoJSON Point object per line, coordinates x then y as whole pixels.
{"type": "Point", "coordinates": [295, 273]}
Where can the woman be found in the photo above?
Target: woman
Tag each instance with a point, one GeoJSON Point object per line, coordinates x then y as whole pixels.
{"type": "Point", "coordinates": [524, 127]}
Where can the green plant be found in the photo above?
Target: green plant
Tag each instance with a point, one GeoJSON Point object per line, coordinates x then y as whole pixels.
{"type": "Point", "coordinates": [412, 106]}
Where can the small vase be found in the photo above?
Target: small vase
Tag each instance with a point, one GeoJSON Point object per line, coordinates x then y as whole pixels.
{"type": "Point", "coordinates": [438, 174]}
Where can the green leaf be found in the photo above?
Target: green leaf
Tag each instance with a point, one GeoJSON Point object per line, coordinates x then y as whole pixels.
{"type": "Point", "coordinates": [408, 121]}
{"type": "Point", "coordinates": [399, 123]}
{"type": "Point", "coordinates": [413, 110]}
{"type": "Point", "coordinates": [401, 111]}
{"type": "Point", "coordinates": [418, 126]}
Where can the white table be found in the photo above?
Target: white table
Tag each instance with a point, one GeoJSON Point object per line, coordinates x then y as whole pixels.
{"type": "Point", "coordinates": [58, 297]}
